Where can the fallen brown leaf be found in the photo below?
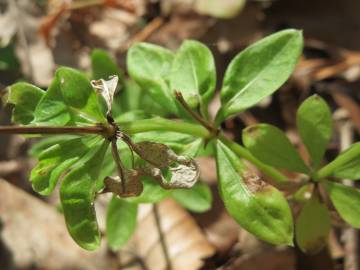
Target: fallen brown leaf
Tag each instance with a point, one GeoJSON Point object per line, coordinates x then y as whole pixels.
{"type": "Point", "coordinates": [34, 236]}
{"type": "Point", "coordinates": [186, 244]}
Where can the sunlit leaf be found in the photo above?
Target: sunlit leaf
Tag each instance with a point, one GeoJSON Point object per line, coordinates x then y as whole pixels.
{"type": "Point", "coordinates": [258, 207]}
{"type": "Point", "coordinates": [259, 71]}
{"type": "Point", "coordinates": [149, 65]}
{"type": "Point", "coordinates": [69, 99]}
{"type": "Point", "coordinates": [24, 97]}
{"type": "Point", "coordinates": [57, 159]}
{"type": "Point", "coordinates": [193, 73]}
{"type": "Point", "coordinates": [77, 194]}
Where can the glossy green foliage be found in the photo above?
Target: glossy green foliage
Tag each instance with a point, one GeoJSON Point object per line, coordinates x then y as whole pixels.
{"type": "Point", "coordinates": [25, 97]}
{"type": "Point", "coordinates": [77, 194]}
{"type": "Point", "coordinates": [314, 123]}
{"type": "Point", "coordinates": [345, 166]}
{"type": "Point", "coordinates": [61, 105]}
{"type": "Point", "coordinates": [258, 71]}
{"type": "Point", "coordinates": [345, 199]}
{"type": "Point", "coordinates": [83, 162]}
{"type": "Point", "coordinates": [193, 73]}
{"type": "Point", "coordinates": [198, 199]}
{"type": "Point", "coordinates": [150, 65]}
{"type": "Point", "coordinates": [57, 159]}
{"type": "Point", "coordinates": [312, 226]}
{"type": "Point", "coordinates": [103, 66]}
{"type": "Point", "coordinates": [270, 145]}
{"type": "Point", "coordinates": [120, 222]}
{"type": "Point", "coordinates": [257, 207]}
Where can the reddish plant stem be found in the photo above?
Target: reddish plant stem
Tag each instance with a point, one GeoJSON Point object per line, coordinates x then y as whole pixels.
{"type": "Point", "coordinates": [100, 130]}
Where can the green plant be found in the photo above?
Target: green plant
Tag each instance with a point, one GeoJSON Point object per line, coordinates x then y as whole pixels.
{"type": "Point", "coordinates": [134, 134]}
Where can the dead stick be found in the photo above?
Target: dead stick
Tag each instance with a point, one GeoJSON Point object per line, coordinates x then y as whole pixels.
{"type": "Point", "coordinates": [161, 237]}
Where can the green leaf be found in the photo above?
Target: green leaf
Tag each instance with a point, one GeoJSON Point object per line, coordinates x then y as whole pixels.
{"type": "Point", "coordinates": [120, 222]}
{"type": "Point", "coordinates": [103, 66]}
{"type": "Point", "coordinates": [259, 71]}
{"type": "Point", "coordinates": [259, 208]}
{"type": "Point", "coordinates": [345, 166]}
{"type": "Point", "coordinates": [38, 147]}
{"type": "Point", "coordinates": [345, 199]}
{"type": "Point", "coordinates": [314, 122]}
{"type": "Point", "coordinates": [270, 145]}
{"type": "Point", "coordinates": [152, 192]}
{"type": "Point", "coordinates": [69, 99]}
{"type": "Point", "coordinates": [25, 97]}
{"type": "Point", "coordinates": [312, 226]}
{"type": "Point", "coordinates": [149, 65]}
{"type": "Point", "coordinates": [132, 97]}
{"type": "Point", "coordinates": [56, 160]}
{"type": "Point", "coordinates": [77, 194]}
{"type": "Point", "coordinates": [197, 199]}
{"type": "Point", "coordinates": [193, 73]}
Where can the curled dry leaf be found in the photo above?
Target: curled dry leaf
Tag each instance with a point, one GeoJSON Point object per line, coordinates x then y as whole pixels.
{"type": "Point", "coordinates": [107, 89]}
{"type": "Point", "coordinates": [185, 242]}
{"type": "Point", "coordinates": [157, 154]}
{"type": "Point", "coordinates": [133, 185]}
{"type": "Point", "coordinates": [181, 176]}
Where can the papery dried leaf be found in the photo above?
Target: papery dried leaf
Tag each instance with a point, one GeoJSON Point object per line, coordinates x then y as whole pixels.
{"type": "Point", "coordinates": [186, 244]}
{"type": "Point", "coordinates": [158, 154]}
{"type": "Point", "coordinates": [107, 89]}
{"type": "Point", "coordinates": [181, 176]}
{"type": "Point", "coordinates": [133, 185]}
{"type": "Point", "coordinates": [184, 176]}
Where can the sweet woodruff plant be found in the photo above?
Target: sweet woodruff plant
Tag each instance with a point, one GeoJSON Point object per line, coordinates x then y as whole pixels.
{"type": "Point", "coordinates": [137, 138]}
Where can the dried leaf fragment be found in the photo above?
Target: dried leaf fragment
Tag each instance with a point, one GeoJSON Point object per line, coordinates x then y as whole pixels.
{"type": "Point", "coordinates": [107, 89]}
{"type": "Point", "coordinates": [133, 186]}
{"type": "Point", "coordinates": [158, 154]}
{"type": "Point", "coordinates": [181, 176]}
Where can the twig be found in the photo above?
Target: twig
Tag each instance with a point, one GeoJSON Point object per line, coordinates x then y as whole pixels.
{"type": "Point", "coordinates": [349, 235]}
{"type": "Point", "coordinates": [195, 115]}
{"type": "Point", "coordinates": [100, 130]}
{"type": "Point", "coordinates": [161, 237]}
{"type": "Point", "coordinates": [146, 32]}
{"type": "Point", "coordinates": [119, 165]}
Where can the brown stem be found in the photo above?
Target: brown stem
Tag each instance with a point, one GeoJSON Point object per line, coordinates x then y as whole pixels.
{"type": "Point", "coordinates": [119, 165]}
{"type": "Point", "coordinates": [161, 237]}
{"type": "Point", "coordinates": [195, 115]}
{"type": "Point", "coordinates": [100, 130]}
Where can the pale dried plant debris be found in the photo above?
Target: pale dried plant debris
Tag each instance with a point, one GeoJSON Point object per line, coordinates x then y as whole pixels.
{"type": "Point", "coordinates": [107, 89]}
{"type": "Point", "coordinates": [133, 185]}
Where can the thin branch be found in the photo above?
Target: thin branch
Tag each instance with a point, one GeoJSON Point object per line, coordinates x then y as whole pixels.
{"type": "Point", "coordinates": [119, 165]}
{"type": "Point", "coordinates": [146, 32]}
{"type": "Point", "coordinates": [100, 130]}
{"type": "Point", "coordinates": [195, 115]}
{"type": "Point", "coordinates": [161, 237]}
